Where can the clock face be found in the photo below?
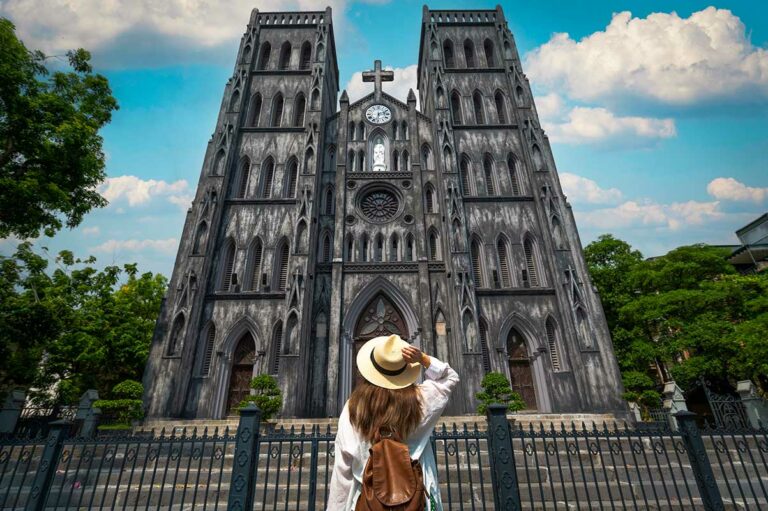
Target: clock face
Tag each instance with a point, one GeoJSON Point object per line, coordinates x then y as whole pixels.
{"type": "Point", "coordinates": [378, 114]}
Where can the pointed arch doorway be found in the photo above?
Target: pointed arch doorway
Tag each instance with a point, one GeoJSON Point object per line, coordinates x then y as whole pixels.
{"type": "Point", "coordinates": [243, 360]}
{"type": "Point", "coordinates": [520, 370]}
{"type": "Point", "coordinates": [380, 317]}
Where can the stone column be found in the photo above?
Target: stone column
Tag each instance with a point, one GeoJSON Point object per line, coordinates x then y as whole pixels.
{"type": "Point", "coordinates": [87, 416]}
{"type": "Point", "coordinates": [11, 412]}
{"type": "Point", "coordinates": [755, 407]}
{"type": "Point", "coordinates": [674, 401]}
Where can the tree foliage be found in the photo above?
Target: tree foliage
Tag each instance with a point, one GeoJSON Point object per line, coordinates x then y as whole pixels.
{"type": "Point", "coordinates": [496, 389]}
{"type": "Point", "coordinates": [267, 396]}
{"type": "Point", "coordinates": [688, 313]}
{"type": "Point", "coordinates": [51, 157]}
{"type": "Point", "coordinates": [74, 328]}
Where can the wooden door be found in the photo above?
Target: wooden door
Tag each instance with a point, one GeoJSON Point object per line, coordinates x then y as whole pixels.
{"type": "Point", "coordinates": [520, 372]}
{"type": "Point", "coordinates": [239, 385]}
{"type": "Point", "coordinates": [380, 318]}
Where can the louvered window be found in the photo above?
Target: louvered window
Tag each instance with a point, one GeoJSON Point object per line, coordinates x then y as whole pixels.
{"type": "Point", "coordinates": [242, 187]}
{"type": "Point", "coordinates": [254, 112]}
{"type": "Point", "coordinates": [409, 249]}
{"type": "Point", "coordinates": [266, 49]}
{"type": "Point", "coordinates": [329, 201]}
{"type": "Point", "coordinates": [293, 177]}
{"type": "Point", "coordinates": [456, 107]}
{"type": "Point", "coordinates": [277, 342]}
{"type": "Point", "coordinates": [448, 54]}
{"type": "Point", "coordinates": [530, 263]}
{"type": "Point", "coordinates": [433, 246]}
{"type": "Point", "coordinates": [552, 343]}
{"type": "Point", "coordinates": [469, 53]}
{"type": "Point", "coordinates": [285, 55]}
{"type": "Point", "coordinates": [501, 248]}
{"type": "Point", "coordinates": [484, 346]}
{"type": "Point", "coordinates": [298, 110]}
{"type": "Point", "coordinates": [430, 201]}
{"type": "Point", "coordinates": [490, 59]}
{"type": "Point", "coordinates": [513, 177]}
{"type": "Point", "coordinates": [306, 55]}
{"type": "Point", "coordinates": [488, 168]}
{"type": "Point", "coordinates": [282, 267]}
{"type": "Point", "coordinates": [501, 111]}
{"type": "Point", "coordinates": [465, 188]}
{"type": "Point", "coordinates": [267, 176]}
{"type": "Point", "coordinates": [256, 256]}
{"type": "Point", "coordinates": [210, 338]}
{"type": "Point", "coordinates": [277, 111]}
{"type": "Point", "coordinates": [229, 264]}
{"type": "Point", "coordinates": [326, 255]}
{"type": "Point", "coordinates": [477, 269]}
{"type": "Point", "coordinates": [477, 103]}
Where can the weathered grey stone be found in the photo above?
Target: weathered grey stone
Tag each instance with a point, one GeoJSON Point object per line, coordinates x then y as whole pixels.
{"type": "Point", "coordinates": [526, 307]}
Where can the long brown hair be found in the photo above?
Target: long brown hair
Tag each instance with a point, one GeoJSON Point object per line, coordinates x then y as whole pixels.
{"type": "Point", "coordinates": [372, 407]}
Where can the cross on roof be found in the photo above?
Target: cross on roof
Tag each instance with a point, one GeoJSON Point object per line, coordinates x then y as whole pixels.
{"type": "Point", "coordinates": [377, 76]}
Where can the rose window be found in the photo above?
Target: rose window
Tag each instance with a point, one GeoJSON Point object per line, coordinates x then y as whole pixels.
{"type": "Point", "coordinates": [379, 206]}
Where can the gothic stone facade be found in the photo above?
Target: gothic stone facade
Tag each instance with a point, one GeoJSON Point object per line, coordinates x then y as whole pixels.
{"type": "Point", "coordinates": [303, 241]}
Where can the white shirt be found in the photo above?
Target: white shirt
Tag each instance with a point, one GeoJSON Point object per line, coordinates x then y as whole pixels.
{"type": "Point", "coordinates": [352, 451]}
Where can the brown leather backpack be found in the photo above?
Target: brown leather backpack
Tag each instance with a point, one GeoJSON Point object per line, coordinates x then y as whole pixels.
{"type": "Point", "coordinates": [392, 481]}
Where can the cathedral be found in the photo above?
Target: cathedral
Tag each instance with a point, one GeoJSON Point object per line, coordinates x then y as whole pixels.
{"type": "Point", "coordinates": [319, 223]}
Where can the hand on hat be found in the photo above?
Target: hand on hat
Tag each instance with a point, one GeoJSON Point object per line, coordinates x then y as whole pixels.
{"type": "Point", "coordinates": [412, 354]}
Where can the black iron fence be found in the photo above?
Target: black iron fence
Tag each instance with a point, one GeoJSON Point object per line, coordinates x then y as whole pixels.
{"type": "Point", "coordinates": [495, 465]}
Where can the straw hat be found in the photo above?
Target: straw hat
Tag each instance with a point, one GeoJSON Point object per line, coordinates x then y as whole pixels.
{"type": "Point", "coordinates": [381, 362]}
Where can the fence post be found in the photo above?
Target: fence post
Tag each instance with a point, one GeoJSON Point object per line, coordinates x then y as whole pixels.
{"type": "Point", "coordinates": [246, 459]}
{"type": "Point", "coordinates": [755, 407]}
{"type": "Point", "coordinates": [506, 494]}
{"type": "Point", "coordinates": [87, 416]}
{"type": "Point", "coordinates": [49, 461]}
{"type": "Point", "coordinates": [11, 412]}
{"type": "Point", "coordinates": [674, 401]}
{"type": "Point", "coordinates": [697, 454]}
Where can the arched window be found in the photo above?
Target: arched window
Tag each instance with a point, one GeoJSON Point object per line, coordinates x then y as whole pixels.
{"type": "Point", "coordinates": [426, 157]}
{"type": "Point", "coordinates": [352, 130]}
{"type": "Point", "coordinates": [246, 52]}
{"type": "Point", "coordinates": [456, 107]}
{"type": "Point", "coordinates": [469, 53]}
{"type": "Point", "coordinates": [277, 341]}
{"type": "Point", "coordinates": [361, 161]}
{"type": "Point", "coordinates": [351, 160]}
{"type": "Point", "coordinates": [514, 178]}
{"type": "Point", "coordinates": [490, 186]}
{"type": "Point", "coordinates": [477, 103]}
{"type": "Point", "coordinates": [241, 190]}
{"type": "Point", "coordinates": [507, 50]}
{"type": "Point", "coordinates": [267, 177]}
{"type": "Point", "coordinates": [291, 178]}
{"type": "Point", "coordinates": [450, 61]}
{"type": "Point", "coordinates": [325, 249]}
{"type": "Point", "coordinates": [404, 130]}
{"type": "Point", "coordinates": [394, 247]}
{"type": "Point", "coordinates": [285, 56]}
{"type": "Point", "coordinates": [266, 49]}
{"type": "Point", "coordinates": [329, 202]}
{"type": "Point", "coordinates": [299, 106]}
{"type": "Point", "coordinates": [395, 161]}
{"type": "Point", "coordinates": [434, 245]}
{"type": "Point", "coordinates": [320, 56]}
{"type": "Point", "coordinates": [409, 247]}
{"type": "Point", "coordinates": [227, 266]}
{"type": "Point", "coordinates": [255, 255]}
{"type": "Point", "coordinates": [553, 344]}
{"type": "Point", "coordinates": [315, 99]}
{"type": "Point", "coordinates": [501, 109]}
{"type": "Point", "coordinates": [531, 265]}
{"type": "Point", "coordinates": [484, 345]}
{"type": "Point", "coordinates": [405, 162]}
{"type": "Point", "coordinates": [291, 334]}
{"type": "Point", "coordinates": [557, 234]}
{"type": "Point", "coordinates": [200, 237]}
{"type": "Point", "coordinates": [218, 162]}
{"type": "Point", "coordinates": [349, 255]}
{"type": "Point", "coordinates": [281, 265]}
{"type": "Point", "coordinates": [447, 159]}
{"type": "Point", "coordinates": [457, 235]}
{"type": "Point", "coordinates": [277, 111]}
{"type": "Point", "coordinates": [519, 96]}
{"type": "Point", "coordinates": [582, 326]}
{"type": "Point", "coordinates": [440, 95]}
{"type": "Point", "coordinates": [466, 176]}
{"type": "Point", "coordinates": [234, 101]}
{"type": "Point", "coordinates": [538, 160]}
{"type": "Point", "coordinates": [490, 58]}
{"type": "Point", "coordinates": [361, 131]}
{"type": "Point", "coordinates": [470, 334]}
{"type": "Point", "coordinates": [364, 248]}
{"type": "Point", "coordinates": [477, 263]}
{"type": "Point", "coordinates": [254, 111]}
{"type": "Point", "coordinates": [210, 340]}
{"type": "Point", "coordinates": [309, 156]}
{"type": "Point", "coordinates": [306, 55]}
{"type": "Point", "coordinates": [430, 199]}
{"type": "Point", "coordinates": [378, 248]}
{"type": "Point", "coordinates": [177, 336]}
{"type": "Point", "coordinates": [502, 255]}
{"type": "Point", "coordinates": [395, 130]}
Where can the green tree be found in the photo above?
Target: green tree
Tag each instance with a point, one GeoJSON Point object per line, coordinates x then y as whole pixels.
{"type": "Point", "coordinates": [51, 157]}
{"type": "Point", "coordinates": [496, 389]}
{"type": "Point", "coordinates": [124, 406]}
{"type": "Point", "coordinates": [267, 396]}
{"type": "Point", "coordinates": [76, 327]}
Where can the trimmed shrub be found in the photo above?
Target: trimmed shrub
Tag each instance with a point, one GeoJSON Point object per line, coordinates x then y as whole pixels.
{"type": "Point", "coordinates": [496, 389]}
{"type": "Point", "coordinates": [268, 397]}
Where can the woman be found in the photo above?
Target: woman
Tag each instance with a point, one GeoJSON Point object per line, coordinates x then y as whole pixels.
{"type": "Point", "coordinates": [389, 398]}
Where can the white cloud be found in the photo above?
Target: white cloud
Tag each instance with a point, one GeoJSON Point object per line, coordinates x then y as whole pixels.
{"type": "Point", "coordinates": [405, 79]}
{"type": "Point", "coordinates": [145, 26]}
{"type": "Point", "coordinates": [166, 246]}
{"type": "Point", "coordinates": [673, 216]}
{"type": "Point", "coordinates": [663, 58]}
{"type": "Point", "coordinates": [136, 191]}
{"type": "Point", "coordinates": [593, 125]}
{"type": "Point", "coordinates": [581, 189]}
{"type": "Point", "coordinates": [550, 106]}
{"type": "Point", "coordinates": [91, 231]}
{"type": "Point", "coordinates": [728, 188]}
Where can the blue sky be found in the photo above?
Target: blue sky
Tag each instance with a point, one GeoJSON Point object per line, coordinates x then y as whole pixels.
{"type": "Point", "coordinates": [657, 118]}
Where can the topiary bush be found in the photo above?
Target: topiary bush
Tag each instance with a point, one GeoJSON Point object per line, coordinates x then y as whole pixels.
{"type": "Point", "coordinates": [496, 389]}
{"type": "Point", "coordinates": [268, 397]}
{"type": "Point", "coordinates": [125, 407]}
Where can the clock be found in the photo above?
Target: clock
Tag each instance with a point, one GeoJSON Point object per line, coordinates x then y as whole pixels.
{"type": "Point", "coordinates": [378, 114]}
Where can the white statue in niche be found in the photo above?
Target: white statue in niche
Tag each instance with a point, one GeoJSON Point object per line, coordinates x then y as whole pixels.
{"type": "Point", "coordinates": [378, 156]}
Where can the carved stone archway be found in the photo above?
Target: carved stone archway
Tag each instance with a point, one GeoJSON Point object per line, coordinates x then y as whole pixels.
{"type": "Point", "coordinates": [520, 370]}
{"type": "Point", "coordinates": [242, 372]}
{"type": "Point", "coordinates": [380, 317]}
